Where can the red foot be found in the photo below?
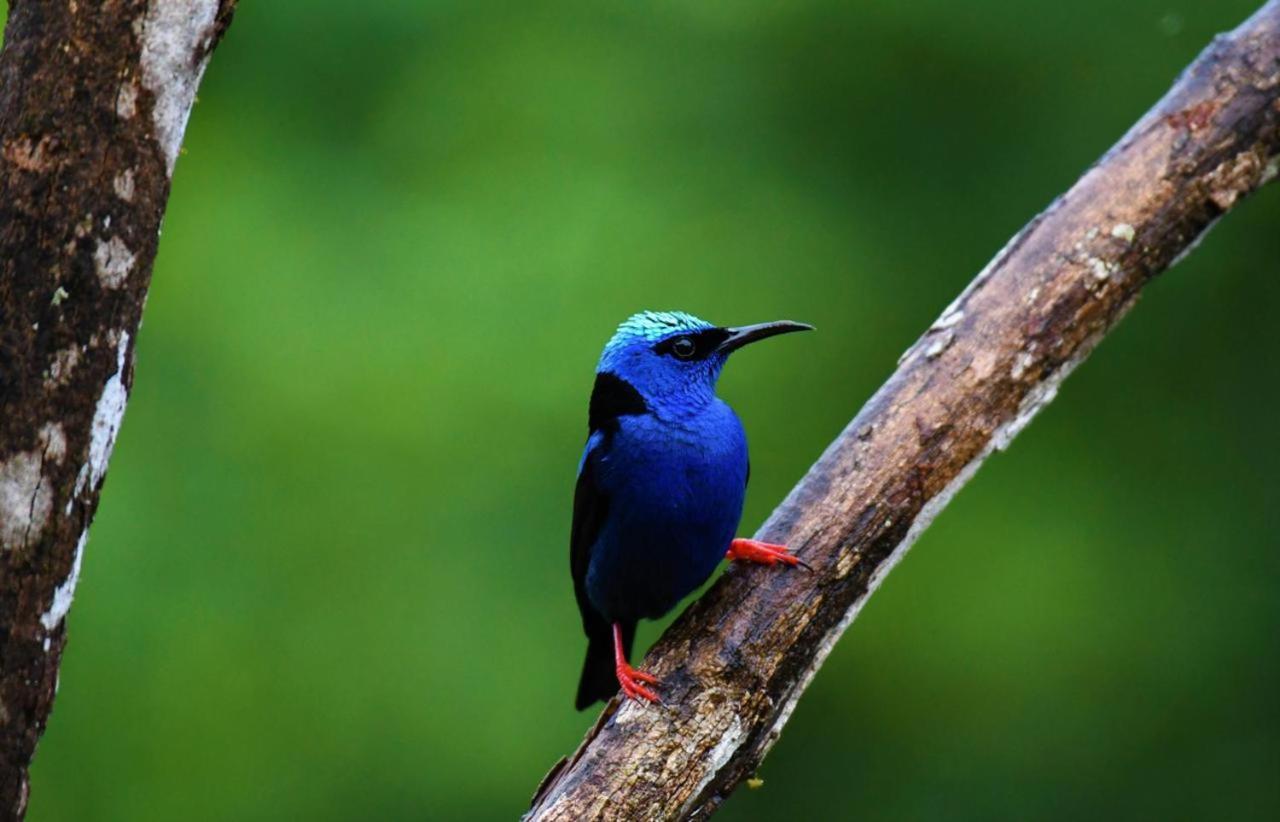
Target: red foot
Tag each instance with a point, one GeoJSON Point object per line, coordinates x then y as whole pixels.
{"type": "Point", "coordinates": [763, 553]}
{"type": "Point", "coordinates": [630, 678]}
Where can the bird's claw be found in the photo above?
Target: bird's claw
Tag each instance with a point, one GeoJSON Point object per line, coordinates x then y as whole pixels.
{"type": "Point", "coordinates": [630, 678]}
{"type": "Point", "coordinates": [763, 553]}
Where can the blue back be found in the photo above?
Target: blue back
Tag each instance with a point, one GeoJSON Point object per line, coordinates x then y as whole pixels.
{"type": "Point", "coordinates": [664, 473]}
{"type": "Point", "coordinates": [660, 483]}
{"type": "Point", "coordinates": [676, 494]}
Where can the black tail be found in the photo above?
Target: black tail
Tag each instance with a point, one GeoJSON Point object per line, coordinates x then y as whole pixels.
{"type": "Point", "coordinates": [599, 680]}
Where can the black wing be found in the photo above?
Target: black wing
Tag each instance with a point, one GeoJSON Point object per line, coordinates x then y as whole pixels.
{"type": "Point", "coordinates": [611, 397]}
{"type": "Point", "coordinates": [590, 507]}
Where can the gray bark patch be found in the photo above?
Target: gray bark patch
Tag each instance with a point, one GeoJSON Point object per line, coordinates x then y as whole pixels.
{"type": "Point", "coordinates": [25, 500]}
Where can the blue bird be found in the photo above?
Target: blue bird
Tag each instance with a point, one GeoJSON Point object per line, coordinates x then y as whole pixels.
{"type": "Point", "coordinates": [660, 486]}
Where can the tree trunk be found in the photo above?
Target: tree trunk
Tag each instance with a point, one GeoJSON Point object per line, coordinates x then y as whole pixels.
{"type": "Point", "coordinates": [94, 99]}
{"type": "Point", "coordinates": [735, 663]}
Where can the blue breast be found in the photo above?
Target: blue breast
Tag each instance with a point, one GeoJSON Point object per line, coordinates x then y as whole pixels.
{"type": "Point", "coordinates": [675, 499]}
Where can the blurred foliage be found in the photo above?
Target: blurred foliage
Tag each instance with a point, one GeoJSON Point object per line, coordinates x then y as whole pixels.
{"type": "Point", "coordinates": [329, 577]}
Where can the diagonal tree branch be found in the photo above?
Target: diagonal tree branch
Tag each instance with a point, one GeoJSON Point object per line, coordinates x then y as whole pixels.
{"type": "Point", "coordinates": [735, 663]}
{"type": "Point", "coordinates": [94, 100]}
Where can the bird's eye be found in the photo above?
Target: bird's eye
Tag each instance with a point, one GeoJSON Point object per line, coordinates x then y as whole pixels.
{"type": "Point", "coordinates": [683, 348]}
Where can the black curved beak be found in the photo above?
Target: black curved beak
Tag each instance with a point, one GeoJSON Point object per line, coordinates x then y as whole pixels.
{"type": "Point", "coordinates": [739, 337]}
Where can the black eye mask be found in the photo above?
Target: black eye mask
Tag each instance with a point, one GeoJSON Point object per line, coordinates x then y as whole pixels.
{"type": "Point", "coordinates": [697, 346]}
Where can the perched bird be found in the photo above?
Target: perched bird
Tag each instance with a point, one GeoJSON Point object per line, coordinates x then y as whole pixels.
{"type": "Point", "coordinates": [660, 486]}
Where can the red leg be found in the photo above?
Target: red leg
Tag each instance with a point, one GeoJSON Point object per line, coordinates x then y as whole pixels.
{"type": "Point", "coordinates": [764, 553]}
{"type": "Point", "coordinates": [629, 678]}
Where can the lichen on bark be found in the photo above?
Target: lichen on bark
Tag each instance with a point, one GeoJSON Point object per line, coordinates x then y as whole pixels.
{"type": "Point", "coordinates": [93, 101]}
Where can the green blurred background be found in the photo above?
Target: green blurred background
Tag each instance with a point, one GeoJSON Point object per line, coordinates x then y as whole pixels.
{"type": "Point", "coordinates": [329, 579]}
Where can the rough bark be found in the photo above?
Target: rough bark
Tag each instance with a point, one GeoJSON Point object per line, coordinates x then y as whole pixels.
{"type": "Point", "coordinates": [735, 663]}
{"type": "Point", "coordinates": [94, 99]}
